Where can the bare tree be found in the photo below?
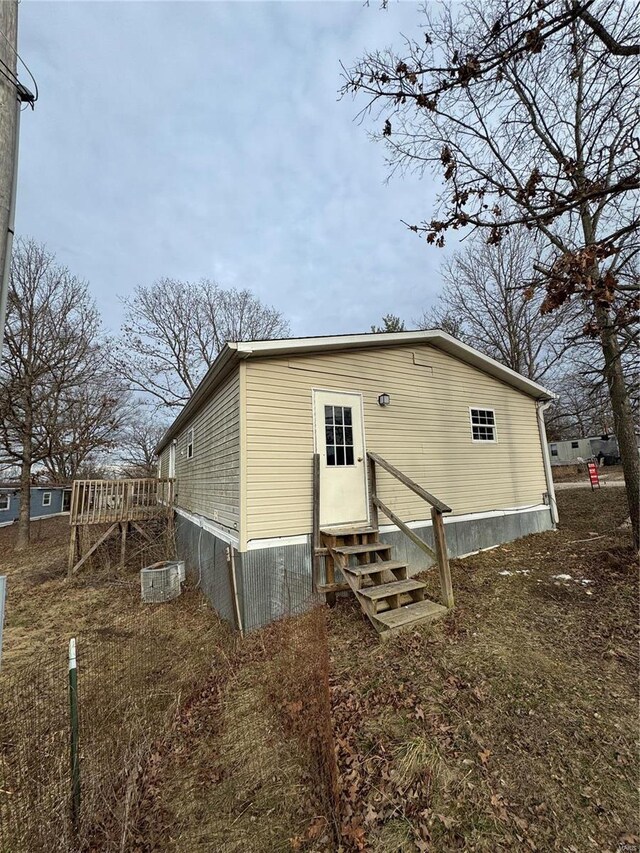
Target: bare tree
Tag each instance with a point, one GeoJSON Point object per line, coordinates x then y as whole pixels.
{"type": "Point", "coordinates": [92, 422]}
{"type": "Point", "coordinates": [529, 113]}
{"type": "Point", "coordinates": [482, 304]}
{"type": "Point", "coordinates": [174, 330]}
{"type": "Point", "coordinates": [138, 448]}
{"type": "Point", "coordinates": [583, 408]}
{"type": "Point", "coordinates": [48, 359]}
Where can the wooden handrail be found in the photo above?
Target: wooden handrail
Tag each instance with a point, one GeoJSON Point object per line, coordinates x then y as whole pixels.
{"type": "Point", "coordinates": [405, 528]}
{"type": "Point", "coordinates": [437, 508]}
{"type": "Point", "coordinates": [422, 493]}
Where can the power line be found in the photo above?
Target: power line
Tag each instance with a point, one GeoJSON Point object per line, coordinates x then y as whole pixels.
{"type": "Point", "coordinates": [9, 79]}
{"type": "Point", "coordinates": [26, 67]}
{"type": "Point", "coordinates": [11, 72]}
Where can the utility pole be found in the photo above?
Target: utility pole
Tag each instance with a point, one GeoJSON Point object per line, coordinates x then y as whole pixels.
{"type": "Point", "coordinates": [12, 96]}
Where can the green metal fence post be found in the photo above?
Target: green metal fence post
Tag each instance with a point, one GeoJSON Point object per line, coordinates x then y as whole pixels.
{"type": "Point", "coordinates": [75, 755]}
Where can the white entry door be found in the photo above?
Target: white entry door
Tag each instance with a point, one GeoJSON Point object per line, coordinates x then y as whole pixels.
{"type": "Point", "coordinates": [339, 439]}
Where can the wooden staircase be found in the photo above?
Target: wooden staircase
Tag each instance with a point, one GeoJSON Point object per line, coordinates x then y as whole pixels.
{"type": "Point", "coordinates": [392, 601]}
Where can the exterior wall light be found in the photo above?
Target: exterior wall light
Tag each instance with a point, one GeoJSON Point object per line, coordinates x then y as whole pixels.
{"type": "Point", "coordinates": [384, 399]}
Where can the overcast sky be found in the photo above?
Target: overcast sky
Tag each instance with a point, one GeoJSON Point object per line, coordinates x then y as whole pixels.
{"type": "Point", "coordinates": [197, 140]}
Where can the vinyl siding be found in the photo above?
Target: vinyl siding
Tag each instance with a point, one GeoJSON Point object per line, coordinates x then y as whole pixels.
{"type": "Point", "coordinates": [209, 483]}
{"type": "Point", "coordinates": [425, 432]}
{"type": "Point", "coordinates": [163, 463]}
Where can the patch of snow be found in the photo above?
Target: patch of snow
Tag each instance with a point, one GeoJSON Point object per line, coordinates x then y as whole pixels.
{"type": "Point", "coordinates": [505, 573]}
{"type": "Point", "coordinates": [562, 577]}
{"type": "Point", "coordinates": [584, 582]}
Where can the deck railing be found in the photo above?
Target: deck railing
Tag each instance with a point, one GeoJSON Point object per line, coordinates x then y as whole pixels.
{"type": "Point", "coordinates": [109, 501]}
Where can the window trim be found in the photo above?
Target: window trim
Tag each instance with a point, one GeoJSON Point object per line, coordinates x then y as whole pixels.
{"type": "Point", "coordinates": [553, 448]}
{"type": "Point", "coordinates": [344, 444]}
{"type": "Point", "coordinates": [190, 444]}
{"type": "Point", "coordinates": [8, 506]}
{"type": "Point", "coordinates": [494, 426]}
{"type": "Point", "coordinates": [46, 495]}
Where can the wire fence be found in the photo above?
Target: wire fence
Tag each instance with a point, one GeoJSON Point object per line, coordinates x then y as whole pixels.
{"type": "Point", "coordinates": [191, 739]}
{"type": "Point", "coordinates": [131, 679]}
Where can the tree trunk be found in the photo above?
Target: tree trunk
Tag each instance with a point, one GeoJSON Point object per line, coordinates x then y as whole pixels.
{"type": "Point", "coordinates": [623, 419]}
{"type": "Point", "coordinates": [24, 521]}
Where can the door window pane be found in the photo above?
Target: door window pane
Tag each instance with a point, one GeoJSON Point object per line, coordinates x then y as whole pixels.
{"type": "Point", "coordinates": [339, 438]}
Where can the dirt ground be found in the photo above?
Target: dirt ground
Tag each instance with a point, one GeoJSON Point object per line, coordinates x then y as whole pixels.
{"type": "Point", "coordinates": [509, 726]}
{"type": "Point", "coordinates": [512, 724]}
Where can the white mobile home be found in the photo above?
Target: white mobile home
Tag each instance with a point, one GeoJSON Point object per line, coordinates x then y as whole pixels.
{"type": "Point", "coordinates": [452, 422]}
{"type": "Point", "coordinates": [570, 450]}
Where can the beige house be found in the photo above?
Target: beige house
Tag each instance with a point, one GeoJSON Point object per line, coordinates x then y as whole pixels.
{"type": "Point", "coordinates": [460, 425]}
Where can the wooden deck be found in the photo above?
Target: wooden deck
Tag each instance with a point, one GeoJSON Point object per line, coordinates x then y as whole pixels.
{"type": "Point", "coordinates": [111, 501]}
{"type": "Point", "coordinates": [121, 504]}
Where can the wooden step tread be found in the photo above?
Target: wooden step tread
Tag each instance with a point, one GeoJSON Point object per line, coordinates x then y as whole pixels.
{"type": "Point", "coordinates": [418, 612]}
{"type": "Point", "coordinates": [374, 593]}
{"type": "Point", "coordinates": [361, 549]}
{"type": "Point", "coordinates": [373, 568]}
{"type": "Point", "coordinates": [347, 531]}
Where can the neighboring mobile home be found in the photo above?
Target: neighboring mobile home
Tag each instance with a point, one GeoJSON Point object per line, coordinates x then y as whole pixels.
{"type": "Point", "coordinates": [46, 501]}
{"type": "Point", "coordinates": [570, 450]}
{"type": "Point", "coordinates": [454, 421]}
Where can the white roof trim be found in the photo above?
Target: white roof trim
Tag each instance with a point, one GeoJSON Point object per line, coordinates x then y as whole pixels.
{"type": "Point", "coordinates": [435, 337]}
{"type": "Point", "coordinates": [233, 352]}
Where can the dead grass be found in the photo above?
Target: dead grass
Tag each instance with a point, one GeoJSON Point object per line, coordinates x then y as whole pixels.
{"type": "Point", "coordinates": [240, 775]}
{"type": "Point", "coordinates": [510, 725]}
{"type": "Point", "coordinates": [578, 473]}
{"type": "Point", "coordinates": [137, 664]}
{"type": "Point", "coordinates": [44, 609]}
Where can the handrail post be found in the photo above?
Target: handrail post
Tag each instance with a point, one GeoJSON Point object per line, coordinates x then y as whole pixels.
{"type": "Point", "coordinates": [374, 492]}
{"type": "Point", "coordinates": [315, 536]}
{"type": "Point", "coordinates": [446, 589]}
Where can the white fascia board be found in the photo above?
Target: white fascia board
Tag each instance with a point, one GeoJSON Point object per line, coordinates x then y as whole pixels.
{"type": "Point", "coordinates": [218, 370]}
{"type": "Point", "coordinates": [233, 352]}
{"type": "Point", "coordinates": [435, 337]}
{"type": "Point", "coordinates": [216, 530]}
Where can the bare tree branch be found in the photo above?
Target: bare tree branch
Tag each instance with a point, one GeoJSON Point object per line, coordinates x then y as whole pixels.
{"type": "Point", "coordinates": [174, 330]}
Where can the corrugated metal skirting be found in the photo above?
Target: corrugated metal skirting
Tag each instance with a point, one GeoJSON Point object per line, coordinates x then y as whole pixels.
{"type": "Point", "coordinates": [274, 582]}
{"type": "Point", "coordinates": [277, 582]}
{"type": "Point", "coordinates": [206, 562]}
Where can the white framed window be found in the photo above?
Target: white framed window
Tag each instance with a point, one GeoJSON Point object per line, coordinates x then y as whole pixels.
{"type": "Point", "coordinates": [483, 425]}
{"type": "Point", "coordinates": [46, 499]}
{"type": "Point", "coordinates": [554, 449]}
{"type": "Point", "coordinates": [190, 443]}
{"type": "Point", "coordinates": [338, 429]}
{"type": "Point", "coordinates": [5, 503]}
